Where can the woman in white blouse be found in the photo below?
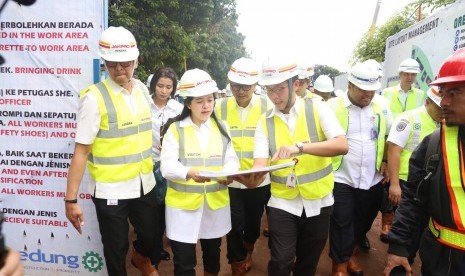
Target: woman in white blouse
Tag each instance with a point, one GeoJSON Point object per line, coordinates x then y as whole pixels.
{"type": "Point", "coordinates": [196, 207]}
{"type": "Point", "coordinates": [162, 86]}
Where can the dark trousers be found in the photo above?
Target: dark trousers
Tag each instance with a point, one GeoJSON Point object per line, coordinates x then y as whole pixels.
{"type": "Point", "coordinates": [296, 236]}
{"type": "Point", "coordinates": [185, 257]}
{"type": "Point", "coordinates": [354, 212]}
{"type": "Point", "coordinates": [160, 191]}
{"type": "Point", "coordinates": [246, 213]}
{"type": "Point", "coordinates": [438, 259]}
{"type": "Point", "coordinates": [114, 227]}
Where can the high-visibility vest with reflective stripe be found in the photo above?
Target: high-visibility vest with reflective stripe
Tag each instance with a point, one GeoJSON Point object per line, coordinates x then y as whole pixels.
{"type": "Point", "coordinates": [242, 134]}
{"type": "Point", "coordinates": [448, 236]}
{"type": "Point", "coordinates": [421, 125]}
{"type": "Point", "coordinates": [414, 99]}
{"type": "Point", "coordinates": [454, 171]}
{"type": "Point", "coordinates": [189, 195]}
{"type": "Point", "coordinates": [314, 174]}
{"type": "Point", "coordinates": [342, 115]}
{"type": "Point", "coordinates": [123, 146]}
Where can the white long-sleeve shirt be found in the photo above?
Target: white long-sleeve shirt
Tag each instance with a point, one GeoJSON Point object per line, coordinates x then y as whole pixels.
{"type": "Point", "coordinates": [204, 223]}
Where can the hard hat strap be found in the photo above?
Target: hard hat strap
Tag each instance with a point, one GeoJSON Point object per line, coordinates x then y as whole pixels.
{"type": "Point", "coordinates": [290, 88]}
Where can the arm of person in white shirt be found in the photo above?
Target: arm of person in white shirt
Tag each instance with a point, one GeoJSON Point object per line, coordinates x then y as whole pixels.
{"type": "Point", "coordinates": [329, 148]}
{"type": "Point", "coordinates": [88, 126]}
{"type": "Point", "coordinates": [393, 167]}
{"type": "Point", "coordinates": [75, 175]}
{"type": "Point", "coordinates": [396, 142]}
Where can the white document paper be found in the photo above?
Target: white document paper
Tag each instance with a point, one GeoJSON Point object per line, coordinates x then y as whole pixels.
{"type": "Point", "coordinates": [222, 175]}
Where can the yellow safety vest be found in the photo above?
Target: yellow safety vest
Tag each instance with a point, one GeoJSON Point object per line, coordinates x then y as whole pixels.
{"type": "Point", "coordinates": [342, 115]}
{"type": "Point", "coordinates": [123, 146]}
{"type": "Point", "coordinates": [189, 195]}
{"type": "Point", "coordinates": [242, 134]}
{"type": "Point", "coordinates": [415, 99]}
{"type": "Point", "coordinates": [421, 125]}
{"type": "Point", "coordinates": [454, 171]}
{"type": "Point", "coordinates": [314, 174]}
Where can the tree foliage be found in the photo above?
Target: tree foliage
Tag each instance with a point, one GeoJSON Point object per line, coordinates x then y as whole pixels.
{"type": "Point", "coordinates": [325, 70]}
{"type": "Point", "coordinates": [433, 4]}
{"type": "Point", "coordinates": [372, 45]}
{"type": "Point", "coordinates": [182, 34]}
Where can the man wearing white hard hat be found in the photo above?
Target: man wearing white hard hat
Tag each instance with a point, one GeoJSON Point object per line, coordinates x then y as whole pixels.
{"type": "Point", "coordinates": [323, 87]}
{"type": "Point", "coordinates": [197, 207]}
{"type": "Point", "coordinates": [385, 104]}
{"type": "Point", "coordinates": [305, 74]}
{"type": "Point", "coordinates": [358, 175]}
{"type": "Point", "coordinates": [405, 96]}
{"type": "Point", "coordinates": [242, 113]}
{"type": "Point", "coordinates": [402, 97]}
{"type": "Point", "coordinates": [112, 115]}
{"type": "Point", "coordinates": [301, 196]}
{"type": "Point", "coordinates": [407, 132]}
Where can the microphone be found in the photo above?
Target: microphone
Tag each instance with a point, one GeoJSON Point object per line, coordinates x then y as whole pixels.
{"type": "Point", "coordinates": [25, 2]}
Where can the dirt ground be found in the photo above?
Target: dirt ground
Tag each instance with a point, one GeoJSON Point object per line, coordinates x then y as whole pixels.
{"type": "Point", "coordinates": [373, 261]}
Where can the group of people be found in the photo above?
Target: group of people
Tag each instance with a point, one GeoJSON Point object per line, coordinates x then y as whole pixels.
{"type": "Point", "coordinates": [146, 154]}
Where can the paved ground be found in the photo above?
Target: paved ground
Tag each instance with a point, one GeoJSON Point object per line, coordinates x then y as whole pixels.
{"type": "Point", "coordinates": [372, 261]}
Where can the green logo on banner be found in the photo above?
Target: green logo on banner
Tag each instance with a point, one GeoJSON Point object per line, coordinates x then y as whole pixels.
{"type": "Point", "coordinates": [92, 261]}
{"type": "Point", "coordinates": [426, 74]}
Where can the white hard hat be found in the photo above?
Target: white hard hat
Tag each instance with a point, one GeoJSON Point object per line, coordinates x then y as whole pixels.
{"type": "Point", "coordinates": [276, 70]}
{"type": "Point", "coordinates": [196, 83]}
{"type": "Point", "coordinates": [149, 79]}
{"type": "Point", "coordinates": [409, 66]}
{"type": "Point", "coordinates": [375, 65]}
{"type": "Point", "coordinates": [244, 71]}
{"type": "Point", "coordinates": [117, 44]}
{"type": "Point", "coordinates": [305, 71]}
{"type": "Point", "coordinates": [433, 94]}
{"type": "Point", "coordinates": [364, 77]}
{"type": "Point", "coordinates": [323, 84]}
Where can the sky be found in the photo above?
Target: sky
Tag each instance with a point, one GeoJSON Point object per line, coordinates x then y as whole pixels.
{"type": "Point", "coordinates": [310, 31]}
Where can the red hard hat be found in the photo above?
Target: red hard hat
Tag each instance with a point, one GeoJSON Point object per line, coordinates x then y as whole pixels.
{"type": "Point", "coordinates": [452, 70]}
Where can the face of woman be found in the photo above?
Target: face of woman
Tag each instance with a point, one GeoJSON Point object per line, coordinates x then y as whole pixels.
{"type": "Point", "coordinates": [163, 89]}
{"type": "Point", "coordinates": [201, 108]}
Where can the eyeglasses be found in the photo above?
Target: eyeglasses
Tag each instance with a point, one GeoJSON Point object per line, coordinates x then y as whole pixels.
{"type": "Point", "coordinates": [238, 87]}
{"type": "Point", "coordinates": [113, 64]}
{"type": "Point", "coordinates": [275, 90]}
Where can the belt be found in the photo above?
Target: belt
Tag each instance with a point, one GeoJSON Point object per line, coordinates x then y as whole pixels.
{"type": "Point", "coordinates": [447, 236]}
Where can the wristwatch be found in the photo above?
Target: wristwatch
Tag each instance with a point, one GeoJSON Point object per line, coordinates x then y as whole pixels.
{"type": "Point", "coordinates": [300, 146]}
{"type": "Point", "coordinates": [70, 200]}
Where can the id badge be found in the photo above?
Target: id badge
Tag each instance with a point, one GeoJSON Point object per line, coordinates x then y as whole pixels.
{"type": "Point", "coordinates": [291, 179]}
{"type": "Point", "coordinates": [112, 202]}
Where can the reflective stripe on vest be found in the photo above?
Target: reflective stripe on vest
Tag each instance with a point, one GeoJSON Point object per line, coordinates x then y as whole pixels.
{"type": "Point", "coordinates": [421, 125]}
{"type": "Point", "coordinates": [123, 144]}
{"type": "Point", "coordinates": [242, 133]}
{"type": "Point", "coordinates": [199, 189]}
{"type": "Point", "coordinates": [414, 99]}
{"type": "Point", "coordinates": [447, 236]}
{"type": "Point", "coordinates": [306, 177]}
{"type": "Point", "coordinates": [312, 181]}
{"type": "Point", "coordinates": [454, 171]}
{"type": "Point", "coordinates": [189, 195]}
{"type": "Point", "coordinates": [114, 131]}
{"type": "Point", "coordinates": [342, 115]}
